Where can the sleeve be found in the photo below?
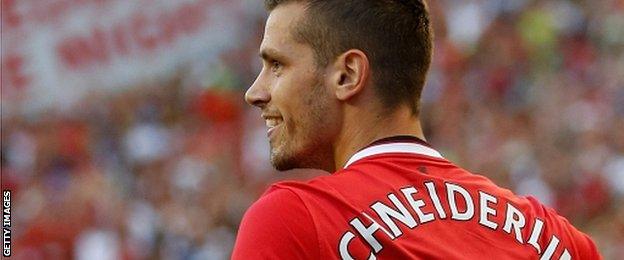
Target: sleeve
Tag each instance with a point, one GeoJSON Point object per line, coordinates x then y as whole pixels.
{"type": "Point", "coordinates": [277, 226]}
{"type": "Point", "coordinates": [589, 250]}
{"type": "Point", "coordinates": [582, 245]}
{"type": "Point", "coordinates": [579, 244]}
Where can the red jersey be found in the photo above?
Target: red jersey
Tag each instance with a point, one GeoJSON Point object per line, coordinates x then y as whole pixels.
{"type": "Point", "coordinates": [400, 199]}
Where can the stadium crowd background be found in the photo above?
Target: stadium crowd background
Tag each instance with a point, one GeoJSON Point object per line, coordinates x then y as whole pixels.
{"type": "Point", "coordinates": [531, 94]}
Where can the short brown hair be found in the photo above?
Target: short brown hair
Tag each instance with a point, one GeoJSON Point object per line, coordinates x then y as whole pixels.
{"type": "Point", "coordinates": [395, 34]}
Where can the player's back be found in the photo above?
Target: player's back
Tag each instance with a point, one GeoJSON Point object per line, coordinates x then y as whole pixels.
{"type": "Point", "coordinates": [403, 201]}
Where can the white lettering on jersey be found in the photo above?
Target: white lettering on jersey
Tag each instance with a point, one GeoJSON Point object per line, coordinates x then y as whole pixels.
{"type": "Point", "coordinates": [436, 200]}
{"type": "Point", "coordinates": [453, 189]}
{"type": "Point", "coordinates": [367, 232]}
{"type": "Point", "coordinates": [566, 255]}
{"type": "Point", "coordinates": [516, 220]}
{"type": "Point", "coordinates": [417, 205]}
{"type": "Point", "coordinates": [485, 210]}
{"type": "Point", "coordinates": [343, 247]}
{"type": "Point", "coordinates": [535, 234]}
{"type": "Point", "coordinates": [550, 250]}
{"type": "Point", "coordinates": [387, 213]}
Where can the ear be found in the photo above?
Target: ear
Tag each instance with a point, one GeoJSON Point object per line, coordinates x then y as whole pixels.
{"type": "Point", "coordinates": [351, 72]}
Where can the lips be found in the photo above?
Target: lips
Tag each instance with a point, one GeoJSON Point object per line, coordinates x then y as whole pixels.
{"type": "Point", "coordinates": [272, 123]}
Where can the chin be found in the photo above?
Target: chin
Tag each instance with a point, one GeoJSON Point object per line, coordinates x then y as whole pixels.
{"type": "Point", "coordinates": [285, 163]}
{"type": "Point", "coordinates": [289, 161]}
{"type": "Point", "coordinates": [311, 152]}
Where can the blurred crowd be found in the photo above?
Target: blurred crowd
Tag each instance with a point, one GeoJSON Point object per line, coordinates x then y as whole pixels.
{"type": "Point", "coordinates": [528, 93]}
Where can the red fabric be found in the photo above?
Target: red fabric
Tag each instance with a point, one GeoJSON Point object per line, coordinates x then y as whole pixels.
{"type": "Point", "coordinates": [306, 220]}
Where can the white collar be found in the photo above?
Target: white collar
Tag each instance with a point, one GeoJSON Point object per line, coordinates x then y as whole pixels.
{"type": "Point", "coordinates": [412, 148]}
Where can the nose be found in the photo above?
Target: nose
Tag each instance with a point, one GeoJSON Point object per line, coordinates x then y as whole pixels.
{"type": "Point", "coordinates": [258, 94]}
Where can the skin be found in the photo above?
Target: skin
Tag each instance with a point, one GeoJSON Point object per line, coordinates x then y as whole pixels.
{"type": "Point", "coordinates": [325, 114]}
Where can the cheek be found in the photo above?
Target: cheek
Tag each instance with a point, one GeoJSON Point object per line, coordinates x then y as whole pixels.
{"type": "Point", "coordinates": [300, 97]}
{"type": "Point", "coordinates": [291, 97]}
{"type": "Point", "coordinates": [297, 120]}
{"type": "Point", "coordinates": [318, 112]}
{"type": "Point", "coordinates": [285, 100]}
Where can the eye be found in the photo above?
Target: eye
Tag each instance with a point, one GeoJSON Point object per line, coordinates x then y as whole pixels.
{"type": "Point", "coordinates": [276, 66]}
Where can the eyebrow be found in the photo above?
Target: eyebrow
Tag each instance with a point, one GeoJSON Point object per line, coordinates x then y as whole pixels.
{"type": "Point", "coordinates": [269, 54]}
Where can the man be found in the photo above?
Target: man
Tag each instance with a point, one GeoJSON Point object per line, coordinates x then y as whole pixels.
{"type": "Point", "coordinates": [339, 91]}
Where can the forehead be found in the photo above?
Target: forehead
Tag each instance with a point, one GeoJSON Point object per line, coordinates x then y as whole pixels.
{"type": "Point", "coordinates": [280, 25]}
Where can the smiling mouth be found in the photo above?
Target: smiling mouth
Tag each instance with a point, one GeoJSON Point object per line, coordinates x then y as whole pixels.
{"type": "Point", "coordinates": [272, 123]}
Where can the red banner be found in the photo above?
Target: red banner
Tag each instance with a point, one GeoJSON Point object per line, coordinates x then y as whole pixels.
{"type": "Point", "coordinates": [53, 52]}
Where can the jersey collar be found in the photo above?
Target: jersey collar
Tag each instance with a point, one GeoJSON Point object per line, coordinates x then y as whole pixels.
{"type": "Point", "coordinates": [395, 144]}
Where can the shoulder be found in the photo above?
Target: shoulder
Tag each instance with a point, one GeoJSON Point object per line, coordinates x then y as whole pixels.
{"type": "Point", "coordinates": [278, 225]}
{"type": "Point", "coordinates": [575, 242]}
{"type": "Point", "coordinates": [279, 207]}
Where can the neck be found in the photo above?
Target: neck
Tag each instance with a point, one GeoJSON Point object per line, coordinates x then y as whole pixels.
{"type": "Point", "coordinates": [359, 131]}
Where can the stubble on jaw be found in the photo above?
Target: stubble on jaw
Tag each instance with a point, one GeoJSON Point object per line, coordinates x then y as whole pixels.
{"type": "Point", "coordinates": [308, 148]}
